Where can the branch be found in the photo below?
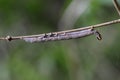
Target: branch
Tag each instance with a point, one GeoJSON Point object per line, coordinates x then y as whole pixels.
{"type": "Point", "coordinates": [63, 35]}
{"type": "Point", "coordinates": [116, 6]}
{"type": "Point", "coordinates": [68, 34]}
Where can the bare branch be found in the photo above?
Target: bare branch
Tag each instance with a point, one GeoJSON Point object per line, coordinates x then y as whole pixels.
{"type": "Point", "coordinates": [117, 6]}
{"type": "Point", "coordinates": [67, 34]}
{"type": "Point", "coordinates": [63, 35]}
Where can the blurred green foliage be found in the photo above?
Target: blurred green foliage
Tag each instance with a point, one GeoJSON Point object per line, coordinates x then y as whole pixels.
{"type": "Point", "coordinates": [77, 59]}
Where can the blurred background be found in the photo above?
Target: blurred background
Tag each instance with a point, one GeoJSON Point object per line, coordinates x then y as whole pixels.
{"type": "Point", "coordinates": [76, 59]}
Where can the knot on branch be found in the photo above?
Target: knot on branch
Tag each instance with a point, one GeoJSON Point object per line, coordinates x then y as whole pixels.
{"type": "Point", "coordinates": [8, 38]}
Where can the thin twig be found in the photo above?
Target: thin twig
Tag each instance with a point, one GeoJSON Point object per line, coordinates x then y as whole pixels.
{"type": "Point", "coordinates": [67, 34]}
{"type": "Point", "coordinates": [63, 35]}
{"type": "Point", "coordinates": [117, 6]}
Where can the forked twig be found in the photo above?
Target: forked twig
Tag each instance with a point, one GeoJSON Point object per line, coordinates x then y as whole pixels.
{"type": "Point", "coordinates": [67, 34]}
{"type": "Point", "coordinates": [117, 6]}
